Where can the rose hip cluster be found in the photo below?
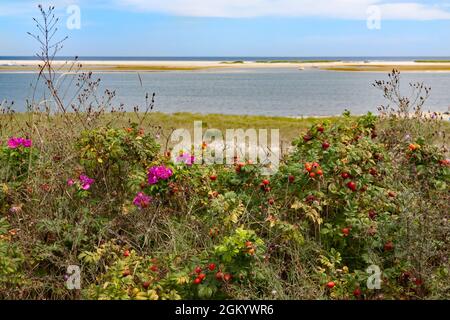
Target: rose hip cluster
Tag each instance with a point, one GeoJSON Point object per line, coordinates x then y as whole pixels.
{"type": "Point", "coordinates": [313, 169]}
{"type": "Point", "coordinates": [200, 274]}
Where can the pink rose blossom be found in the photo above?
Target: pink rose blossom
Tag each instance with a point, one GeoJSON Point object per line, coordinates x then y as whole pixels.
{"type": "Point", "coordinates": [15, 142]}
{"type": "Point", "coordinates": [186, 158]}
{"type": "Point", "coordinates": [142, 200]}
{"type": "Point", "coordinates": [86, 182]}
{"type": "Point", "coordinates": [158, 173]}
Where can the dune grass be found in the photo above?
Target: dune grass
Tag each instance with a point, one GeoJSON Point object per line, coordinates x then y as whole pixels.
{"type": "Point", "coordinates": [388, 68]}
{"type": "Point", "coordinates": [296, 61]}
{"type": "Point", "coordinates": [432, 61]}
{"type": "Point", "coordinates": [110, 68]}
{"type": "Point", "coordinates": [290, 127]}
{"type": "Point", "coordinates": [151, 68]}
{"type": "Point", "coordinates": [233, 62]}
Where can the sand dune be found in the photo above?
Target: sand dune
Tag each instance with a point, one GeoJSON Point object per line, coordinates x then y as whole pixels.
{"type": "Point", "coordinates": [123, 66]}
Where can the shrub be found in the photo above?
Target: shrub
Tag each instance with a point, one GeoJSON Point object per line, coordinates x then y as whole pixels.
{"type": "Point", "coordinates": [16, 157]}
{"type": "Point", "coordinates": [11, 273]}
{"type": "Point", "coordinates": [108, 153]}
{"type": "Point", "coordinates": [128, 276]}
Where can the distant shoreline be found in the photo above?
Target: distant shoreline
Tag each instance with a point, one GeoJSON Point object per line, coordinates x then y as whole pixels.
{"type": "Point", "coordinates": [188, 65]}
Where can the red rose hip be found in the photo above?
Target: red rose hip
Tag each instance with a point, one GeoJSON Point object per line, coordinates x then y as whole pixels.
{"type": "Point", "coordinates": [351, 185]}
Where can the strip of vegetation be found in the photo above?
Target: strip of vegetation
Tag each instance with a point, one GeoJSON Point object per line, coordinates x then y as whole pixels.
{"type": "Point", "coordinates": [296, 61]}
{"type": "Point", "coordinates": [108, 68]}
{"type": "Point", "coordinates": [232, 62]}
{"type": "Point", "coordinates": [388, 68]}
{"type": "Point", "coordinates": [432, 61]}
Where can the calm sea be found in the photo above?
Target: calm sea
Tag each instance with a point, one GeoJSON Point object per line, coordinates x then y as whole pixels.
{"type": "Point", "coordinates": [281, 92]}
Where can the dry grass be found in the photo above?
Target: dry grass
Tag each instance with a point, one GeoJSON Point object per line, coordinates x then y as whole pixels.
{"type": "Point", "coordinates": [164, 123]}
{"type": "Point", "coordinates": [110, 68]}
{"type": "Point", "coordinates": [388, 68]}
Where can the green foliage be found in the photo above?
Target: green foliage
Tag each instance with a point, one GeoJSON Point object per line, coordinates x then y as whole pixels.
{"type": "Point", "coordinates": [15, 163]}
{"type": "Point", "coordinates": [10, 262]}
{"type": "Point", "coordinates": [348, 196]}
{"type": "Point", "coordinates": [130, 277]}
{"type": "Point", "coordinates": [116, 151]}
{"type": "Point", "coordinates": [239, 252]}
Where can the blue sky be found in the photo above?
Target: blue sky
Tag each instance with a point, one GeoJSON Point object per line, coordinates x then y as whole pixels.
{"type": "Point", "coordinates": [237, 27]}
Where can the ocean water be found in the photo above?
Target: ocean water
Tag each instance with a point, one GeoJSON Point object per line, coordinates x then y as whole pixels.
{"type": "Point", "coordinates": [272, 92]}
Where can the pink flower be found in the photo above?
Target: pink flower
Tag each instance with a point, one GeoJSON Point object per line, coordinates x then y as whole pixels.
{"type": "Point", "coordinates": [26, 143]}
{"type": "Point", "coordinates": [152, 179]}
{"type": "Point", "coordinates": [164, 173]}
{"type": "Point", "coordinates": [158, 173]}
{"type": "Point", "coordinates": [186, 158]}
{"type": "Point", "coordinates": [15, 209]}
{"type": "Point", "coordinates": [15, 142]}
{"type": "Point", "coordinates": [142, 200]}
{"type": "Point", "coordinates": [86, 182]}
{"type": "Point", "coordinates": [70, 182]}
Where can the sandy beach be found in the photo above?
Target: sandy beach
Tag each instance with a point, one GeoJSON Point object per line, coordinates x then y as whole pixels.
{"type": "Point", "coordinates": [149, 66]}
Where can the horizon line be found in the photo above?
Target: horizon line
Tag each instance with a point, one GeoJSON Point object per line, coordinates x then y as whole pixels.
{"type": "Point", "coordinates": [231, 56]}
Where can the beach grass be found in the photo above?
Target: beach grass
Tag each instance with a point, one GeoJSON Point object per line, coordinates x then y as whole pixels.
{"type": "Point", "coordinates": [151, 68]}
{"type": "Point", "coordinates": [289, 127]}
{"type": "Point", "coordinates": [319, 61]}
{"type": "Point", "coordinates": [232, 62]}
{"type": "Point", "coordinates": [112, 68]}
{"type": "Point", "coordinates": [389, 68]}
{"type": "Point", "coordinates": [18, 68]}
{"type": "Point", "coordinates": [432, 61]}
{"type": "Point", "coordinates": [296, 61]}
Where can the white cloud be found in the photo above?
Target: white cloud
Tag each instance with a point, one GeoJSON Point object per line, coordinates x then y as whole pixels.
{"type": "Point", "coordinates": [27, 7]}
{"type": "Point", "coordinates": [413, 11]}
{"type": "Point", "coordinates": [340, 9]}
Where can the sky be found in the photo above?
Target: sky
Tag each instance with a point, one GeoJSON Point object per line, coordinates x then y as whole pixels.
{"type": "Point", "coordinates": [283, 28]}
